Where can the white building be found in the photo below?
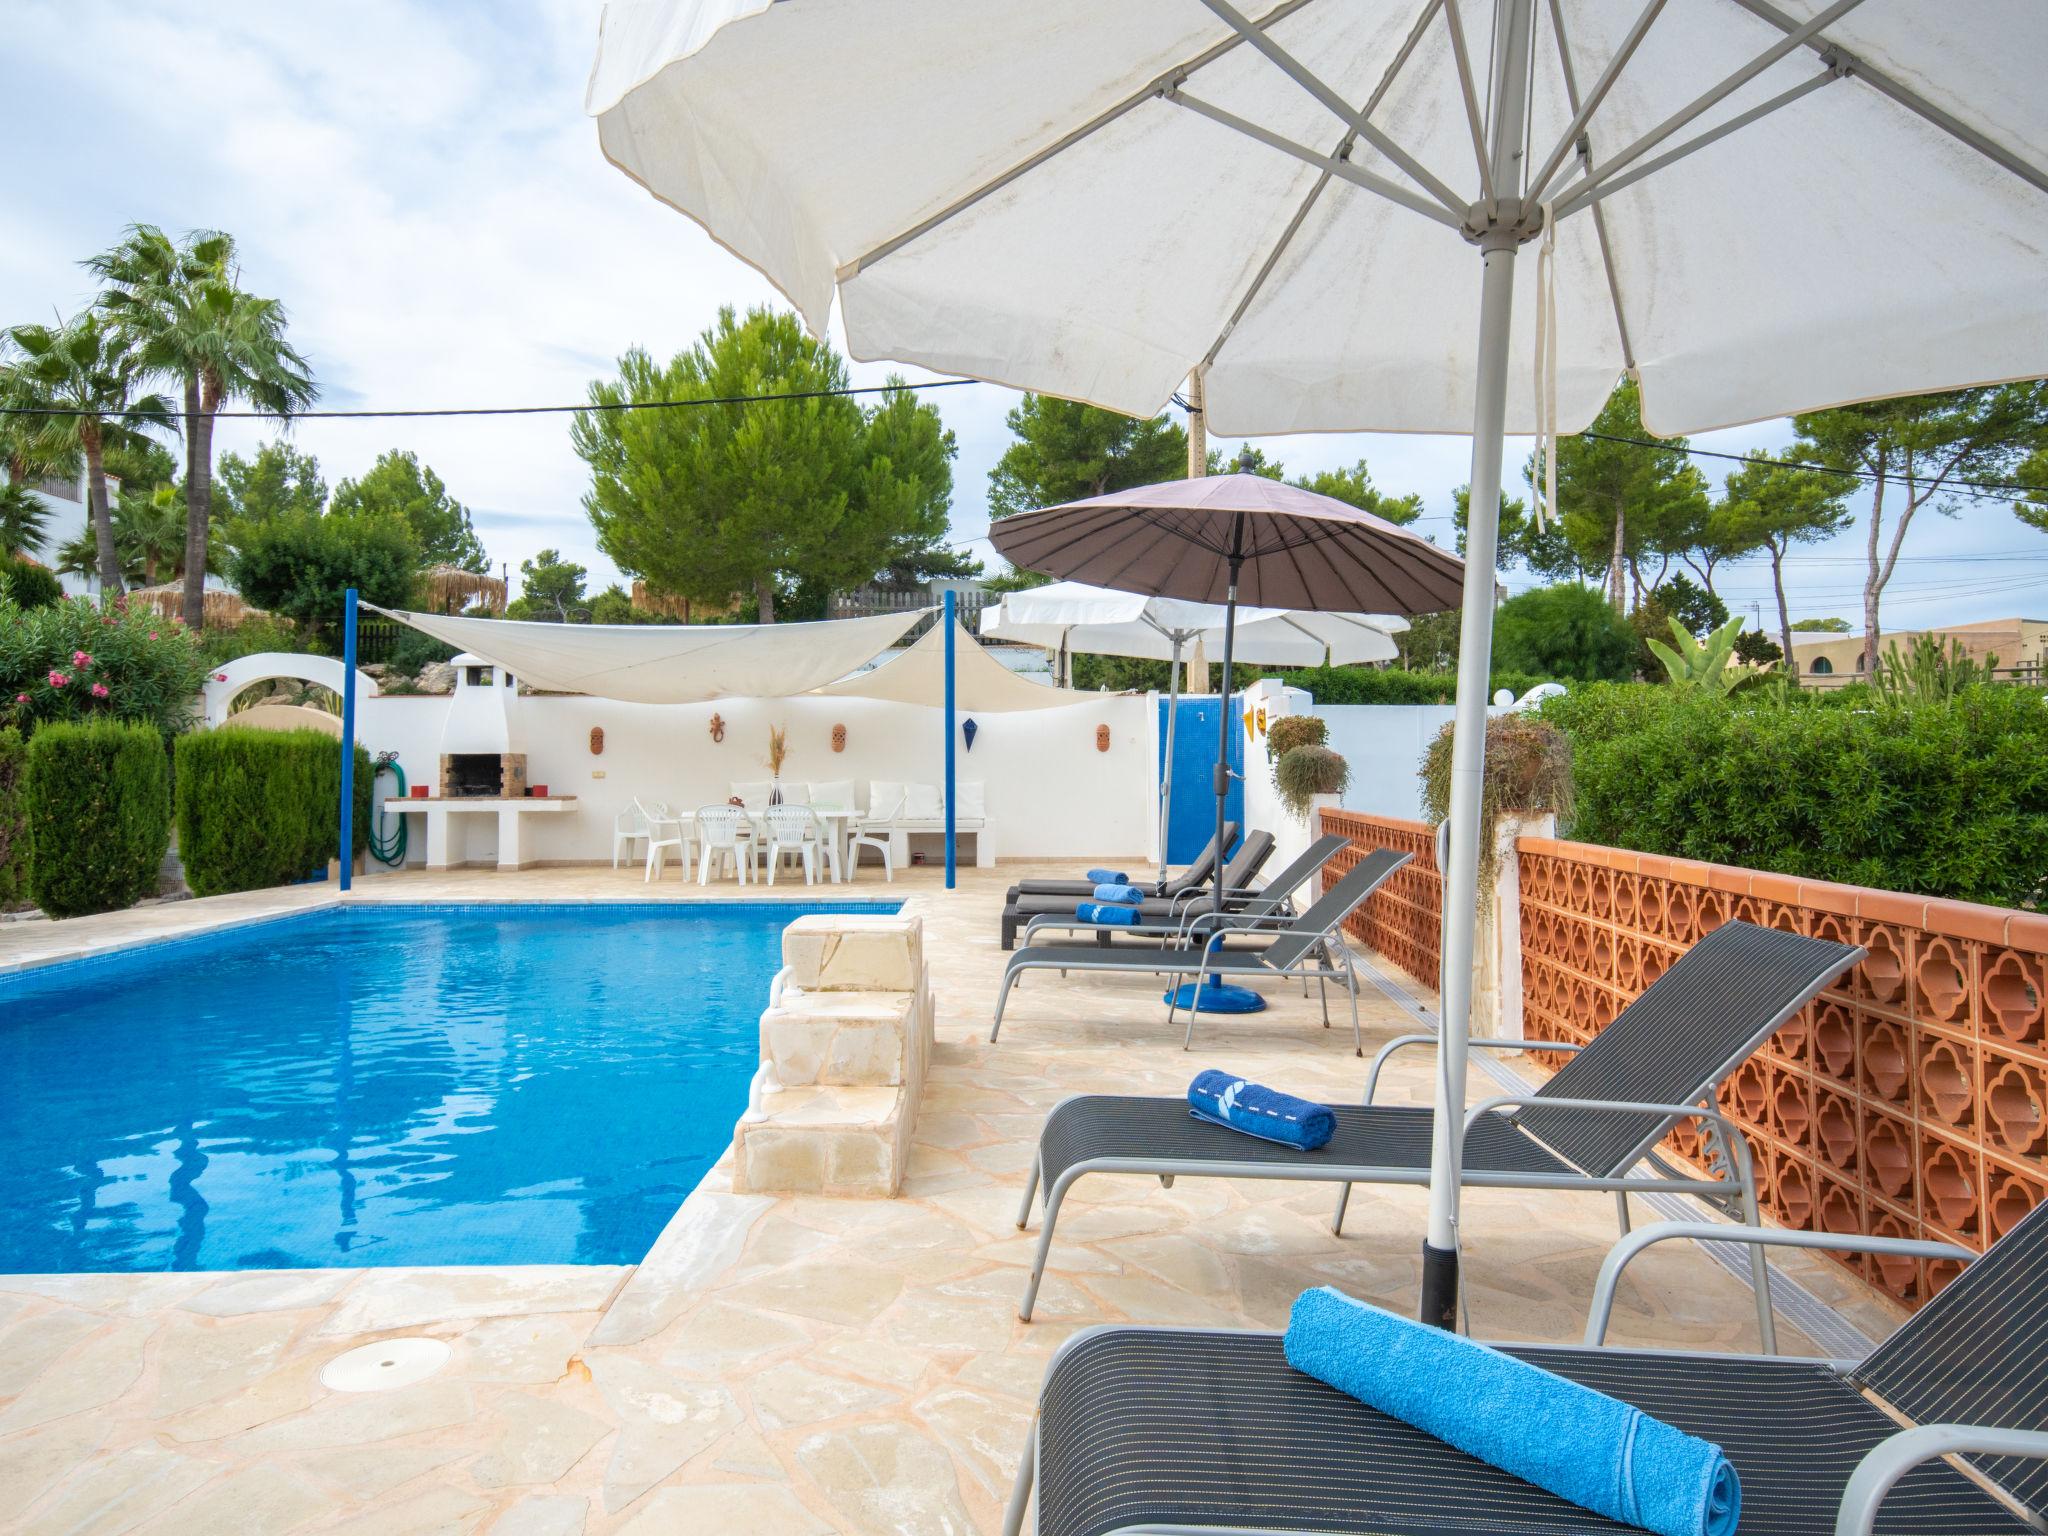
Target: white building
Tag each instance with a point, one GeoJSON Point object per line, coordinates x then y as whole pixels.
{"type": "Point", "coordinates": [69, 517]}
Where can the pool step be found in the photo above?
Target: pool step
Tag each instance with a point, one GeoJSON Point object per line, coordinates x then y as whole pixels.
{"type": "Point", "coordinates": [844, 1044]}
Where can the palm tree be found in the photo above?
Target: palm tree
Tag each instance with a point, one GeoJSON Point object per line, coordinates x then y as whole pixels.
{"type": "Point", "coordinates": [183, 307]}
{"type": "Point", "coordinates": [150, 531]}
{"type": "Point", "coordinates": [24, 521]}
{"type": "Point", "coordinates": [82, 374]}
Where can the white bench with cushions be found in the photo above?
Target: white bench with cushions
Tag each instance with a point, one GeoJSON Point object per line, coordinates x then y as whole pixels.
{"type": "Point", "coordinates": [901, 809]}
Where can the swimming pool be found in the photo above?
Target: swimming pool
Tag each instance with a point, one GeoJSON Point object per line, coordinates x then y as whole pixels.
{"type": "Point", "coordinates": [380, 1085]}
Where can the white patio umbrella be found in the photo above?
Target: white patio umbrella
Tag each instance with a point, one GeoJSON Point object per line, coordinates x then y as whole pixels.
{"type": "Point", "coordinates": [1070, 616]}
{"type": "Point", "coordinates": [1754, 206]}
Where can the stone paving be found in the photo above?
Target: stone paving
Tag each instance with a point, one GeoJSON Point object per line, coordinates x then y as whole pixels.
{"type": "Point", "coordinates": [795, 1364]}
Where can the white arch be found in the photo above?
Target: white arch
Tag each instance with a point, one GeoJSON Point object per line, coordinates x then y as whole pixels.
{"type": "Point", "coordinates": [231, 677]}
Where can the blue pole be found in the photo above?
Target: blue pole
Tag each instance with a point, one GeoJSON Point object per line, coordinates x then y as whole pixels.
{"type": "Point", "coordinates": [348, 736]}
{"type": "Point", "coordinates": [952, 838]}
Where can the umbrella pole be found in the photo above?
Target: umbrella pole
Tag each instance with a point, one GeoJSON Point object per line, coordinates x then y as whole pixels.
{"type": "Point", "coordinates": [1225, 722]}
{"type": "Point", "coordinates": [1166, 779]}
{"type": "Point", "coordinates": [1498, 243]}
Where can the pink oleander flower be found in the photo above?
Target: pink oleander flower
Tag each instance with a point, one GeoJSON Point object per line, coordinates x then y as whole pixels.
{"type": "Point", "coordinates": [21, 698]}
{"type": "Point", "coordinates": [99, 690]}
{"type": "Point", "coordinates": [220, 677]}
{"type": "Point", "coordinates": [81, 659]}
{"type": "Point", "coordinates": [152, 634]}
{"type": "Point", "coordinates": [57, 679]}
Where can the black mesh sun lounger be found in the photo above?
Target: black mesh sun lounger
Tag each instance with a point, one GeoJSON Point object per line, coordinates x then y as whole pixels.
{"type": "Point", "coordinates": [1584, 1129]}
{"type": "Point", "coordinates": [1180, 1430]}
{"type": "Point", "coordinates": [1194, 912]}
{"type": "Point", "coordinates": [1238, 874]}
{"type": "Point", "coordinates": [1195, 874]}
{"type": "Point", "coordinates": [1303, 946]}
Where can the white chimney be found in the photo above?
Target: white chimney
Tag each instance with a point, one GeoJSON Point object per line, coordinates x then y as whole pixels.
{"type": "Point", "coordinates": [485, 704]}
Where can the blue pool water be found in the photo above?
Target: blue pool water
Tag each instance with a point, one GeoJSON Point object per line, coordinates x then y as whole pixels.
{"type": "Point", "coordinates": [525, 1084]}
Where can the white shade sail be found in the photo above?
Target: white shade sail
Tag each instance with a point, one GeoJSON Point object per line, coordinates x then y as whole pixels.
{"type": "Point", "coordinates": [981, 684]}
{"type": "Point", "coordinates": [670, 663]}
{"type": "Point", "coordinates": [1099, 621]}
{"type": "Point", "coordinates": [955, 171]}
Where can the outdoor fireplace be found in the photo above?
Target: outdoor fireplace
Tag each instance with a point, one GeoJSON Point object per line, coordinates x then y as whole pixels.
{"type": "Point", "coordinates": [483, 775]}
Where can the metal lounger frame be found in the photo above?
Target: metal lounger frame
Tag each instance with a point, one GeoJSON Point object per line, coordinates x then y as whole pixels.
{"type": "Point", "coordinates": [1271, 902]}
{"type": "Point", "coordinates": [1325, 947]}
{"type": "Point", "coordinates": [1728, 1156]}
{"type": "Point", "coordinates": [1992, 1289]}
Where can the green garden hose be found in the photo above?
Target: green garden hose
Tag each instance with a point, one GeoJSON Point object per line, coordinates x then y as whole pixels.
{"type": "Point", "coordinates": [389, 849]}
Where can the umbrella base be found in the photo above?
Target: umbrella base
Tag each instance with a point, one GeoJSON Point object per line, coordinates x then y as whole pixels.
{"type": "Point", "coordinates": [1215, 997]}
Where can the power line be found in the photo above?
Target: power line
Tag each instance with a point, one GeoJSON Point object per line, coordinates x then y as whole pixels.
{"type": "Point", "coordinates": [1981, 487]}
{"type": "Point", "coordinates": [505, 410]}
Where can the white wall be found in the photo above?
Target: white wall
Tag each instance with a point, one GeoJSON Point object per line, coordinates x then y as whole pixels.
{"type": "Point", "coordinates": [1050, 792]}
{"type": "Point", "coordinates": [1384, 744]}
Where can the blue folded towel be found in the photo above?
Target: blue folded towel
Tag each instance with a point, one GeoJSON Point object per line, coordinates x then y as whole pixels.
{"type": "Point", "coordinates": [1581, 1445]}
{"type": "Point", "coordinates": [1103, 912]}
{"type": "Point", "coordinates": [1108, 877]}
{"type": "Point", "coordinates": [1108, 891]}
{"type": "Point", "coordinates": [1258, 1111]}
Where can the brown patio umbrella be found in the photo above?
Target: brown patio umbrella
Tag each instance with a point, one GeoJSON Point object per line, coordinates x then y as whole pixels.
{"type": "Point", "coordinates": [1226, 539]}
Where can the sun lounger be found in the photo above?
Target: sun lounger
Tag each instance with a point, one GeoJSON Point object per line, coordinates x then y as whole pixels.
{"type": "Point", "coordinates": [1195, 874]}
{"type": "Point", "coordinates": [1584, 1129]}
{"type": "Point", "coordinates": [1191, 915]}
{"type": "Point", "coordinates": [1162, 1429]}
{"type": "Point", "coordinates": [1238, 874]}
{"type": "Point", "coordinates": [1303, 946]}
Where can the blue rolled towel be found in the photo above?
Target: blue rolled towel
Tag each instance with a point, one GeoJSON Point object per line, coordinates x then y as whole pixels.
{"type": "Point", "coordinates": [1108, 877]}
{"type": "Point", "coordinates": [1258, 1111]}
{"type": "Point", "coordinates": [1116, 891]}
{"type": "Point", "coordinates": [1103, 912]}
{"type": "Point", "coordinates": [1582, 1445]}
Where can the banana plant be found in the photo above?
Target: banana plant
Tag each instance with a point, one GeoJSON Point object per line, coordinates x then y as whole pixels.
{"type": "Point", "coordinates": [1703, 664]}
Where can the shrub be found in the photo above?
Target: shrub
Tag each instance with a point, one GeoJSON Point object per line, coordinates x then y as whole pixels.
{"type": "Point", "coordinates": [259, 808]}
{"type": "Point", "coordinates": [1528, 771]}
{"type": "Point", "coordinates": [1391, 685]}
{"type": "Point", "coordinates": [82, 660]}
{"type": "Point", "coordinates": [99, 815]}
{"type": "Point", "coordinates": [299, 566]}
{"type": "Point", "coordinates": [1565, 631]}
{"type": "Point", "coordinates": [1291, 731]}
{"type": "Point", "coordinates": [253, 636]}
{"type": "Point", "coordinates": [1305, 772]}
{"type": "Point", "coordinates": [29, 586]}
{"type": "Point", "coordinates": [1943, 798]}
{"type": "Point", "coordinates": [13, 819]}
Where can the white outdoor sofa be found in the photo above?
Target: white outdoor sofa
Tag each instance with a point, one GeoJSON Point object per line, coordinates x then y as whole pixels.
{"type": "Point", "coordinates": [897, 810]}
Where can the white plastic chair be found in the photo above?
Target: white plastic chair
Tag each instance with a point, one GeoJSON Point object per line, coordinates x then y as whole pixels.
{"type": "Point", "coordinates": [664, 830]}
{"type": "Point", "coordinates": [796, 829]}
{"type": "Point", "coordinates": [858, 837]}
{"type": "Point", "coordinates": [628, 828]}
{"type": "Point", "coordinates": [723, 830]}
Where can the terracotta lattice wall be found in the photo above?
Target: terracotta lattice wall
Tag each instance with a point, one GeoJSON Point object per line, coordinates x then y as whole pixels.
{"type": "Point", "coordinates": [1404, 919]}
{"type": "Point", "coordinates": [1911, 1100]}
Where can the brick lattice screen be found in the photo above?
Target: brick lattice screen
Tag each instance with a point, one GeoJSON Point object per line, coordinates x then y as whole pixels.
{"type": "Point", "coordinates": [1404, 919]}
{"type": "Point", "coordinates": [1909, 1101]}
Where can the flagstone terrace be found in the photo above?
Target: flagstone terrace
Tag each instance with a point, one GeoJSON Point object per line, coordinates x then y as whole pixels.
{"type": "Point", "coordinates": [787, 1364]}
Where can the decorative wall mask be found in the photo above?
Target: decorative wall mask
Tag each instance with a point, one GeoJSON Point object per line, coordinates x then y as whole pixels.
{"type": "Point", "coordinates": [718, 727]}
{"type": "Point", "coordinates": [597, 741]}
{"type": "Point", "coordinates": [1102, 738]}
{"type": "Point", "coordinates": [838, 738]}
{"type": "Point", "coordinates": [967, 729]}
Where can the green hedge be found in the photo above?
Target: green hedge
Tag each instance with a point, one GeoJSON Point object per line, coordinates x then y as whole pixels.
{"type": "Point", "coordinates": [99, 816]}
{"type": "Point", "coordinates": [1940, 799]}
{"type": "Point", "coordinates": [258, 808]}
{"type": "Point", "coordinates": [1391, 685]}
{"type": "Point", "coordinates": [13, 819]}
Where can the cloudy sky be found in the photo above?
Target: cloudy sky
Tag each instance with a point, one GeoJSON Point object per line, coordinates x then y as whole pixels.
{"type": "Point", "coordinates": [417, 181]}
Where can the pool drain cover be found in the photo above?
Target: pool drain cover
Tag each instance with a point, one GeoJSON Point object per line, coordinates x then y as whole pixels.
{"type": "Point", "coordinates": [381, 1367]}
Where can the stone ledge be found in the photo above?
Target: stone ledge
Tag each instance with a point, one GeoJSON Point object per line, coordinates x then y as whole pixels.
{"type": "Point", "coordinates": [828, 952]}
{"type": "Point", "coordinates": [845, 1039]}
{"type": "Point", "coordinates": [827, 1141]}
